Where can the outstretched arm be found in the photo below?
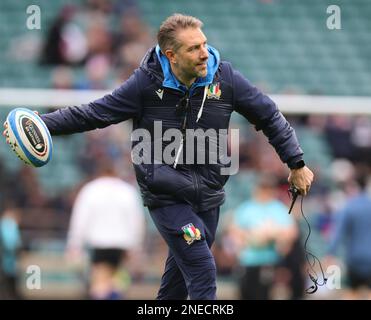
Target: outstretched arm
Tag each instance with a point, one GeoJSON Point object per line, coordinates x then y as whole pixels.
{"type": "Point", "coordinates": [122, 104]}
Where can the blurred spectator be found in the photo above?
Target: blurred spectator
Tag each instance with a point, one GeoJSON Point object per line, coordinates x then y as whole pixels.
{"type": "Point", "coordinates": [85, 35]}
{"type": "Point", "coordinates": [353, 230]}
{"type": "Point", "coordinates": [65, 42]}
{"type": "Point", "coordinates": [108, 219]}
{"type": "Point", "coordinates": [263, 232]}
{"type": "Point", "coordinates": [99, 39]}
{"type": "Point", "coordinates": [97, 71]}
{"type": "Point", "coordinates": [361, 138]}
{"type": "Point", "coordinates": [27, 192]}
{"type": "Point", "coordinates": [62, 78]}
{"type": "Point", "coordinates": [131, 42]}
{"type": "Point", "coordinates": [10, 243]}
{"type": "Point", "coordinates": [338, 133]}
{"type": "Point", "coordinates": [325, 218]}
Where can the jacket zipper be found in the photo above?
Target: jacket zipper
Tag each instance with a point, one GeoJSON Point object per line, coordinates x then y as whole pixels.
{"type": "Point", "coordinates": [195, 171]}
{"type": "Point", "coordinates": [189, 116]}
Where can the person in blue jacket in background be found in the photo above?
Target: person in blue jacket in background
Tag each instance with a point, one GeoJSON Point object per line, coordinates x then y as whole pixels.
{"type": "Point", "coordinates": [182, 84]}
{"type": "Point", "coordinates": [10, 244]}
{"type": "Point", "coordinates": [352, 233]}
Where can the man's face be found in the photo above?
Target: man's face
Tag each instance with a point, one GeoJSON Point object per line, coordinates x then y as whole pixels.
{"type": "Point", "coordinates": [190, 59]}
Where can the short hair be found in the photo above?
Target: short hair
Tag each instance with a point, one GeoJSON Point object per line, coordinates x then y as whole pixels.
{"type": "Point", "coordinates": [166, 36]}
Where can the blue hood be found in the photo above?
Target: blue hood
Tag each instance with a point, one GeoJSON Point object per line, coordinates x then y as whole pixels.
{"type": "Point", "coordinates": [170, 81]}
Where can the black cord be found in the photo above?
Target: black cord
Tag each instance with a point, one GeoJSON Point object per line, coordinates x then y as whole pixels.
{"type": "Point", "coordinates": [309, 256]}
{"type": "Point", "coordinates": [311, 271]}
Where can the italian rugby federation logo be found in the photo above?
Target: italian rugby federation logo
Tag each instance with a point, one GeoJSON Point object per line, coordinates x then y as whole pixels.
{"type": "Point", "coordinates": [191, 233]}
{"type": "Point", "coordinates": [214, 91]}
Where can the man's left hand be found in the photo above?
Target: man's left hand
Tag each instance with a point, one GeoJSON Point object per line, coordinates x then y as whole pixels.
{"type": "Point", "coordinates": [302, 179]}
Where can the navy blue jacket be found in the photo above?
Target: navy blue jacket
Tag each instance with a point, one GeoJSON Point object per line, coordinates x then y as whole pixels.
{"type": "Point", "coordinates": [140, 98]}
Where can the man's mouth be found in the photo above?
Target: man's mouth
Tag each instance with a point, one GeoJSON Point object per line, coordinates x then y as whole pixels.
{"type": "Point", "coordinates": [202, 64]}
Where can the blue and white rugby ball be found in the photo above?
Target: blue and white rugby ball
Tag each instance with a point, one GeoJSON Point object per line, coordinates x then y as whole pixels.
{"type": "Point", "coordinates": [29, 137]}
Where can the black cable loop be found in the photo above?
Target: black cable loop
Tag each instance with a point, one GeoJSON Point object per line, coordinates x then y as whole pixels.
{"type": "Point", "coordinates": [309, 255]}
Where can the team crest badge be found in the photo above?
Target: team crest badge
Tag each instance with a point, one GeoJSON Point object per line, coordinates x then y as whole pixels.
{"type": "Point", "coordinates": [214, 91]}
{"type": "Point", "coordinates": [191, 233]}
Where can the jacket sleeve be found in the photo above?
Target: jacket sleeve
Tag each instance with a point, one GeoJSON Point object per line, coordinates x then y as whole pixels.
{"type": "Point", "coordinates": [122, 104]}
{"type": "Point", "coordinates": [262, 112]}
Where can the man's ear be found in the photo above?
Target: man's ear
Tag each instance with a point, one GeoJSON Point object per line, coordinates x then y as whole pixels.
{"type": "Point", "coordinates": [170, 54]}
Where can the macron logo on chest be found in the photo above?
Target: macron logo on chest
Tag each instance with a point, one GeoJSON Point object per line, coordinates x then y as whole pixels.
{"type": "Point", "coordinates": [160, 93]}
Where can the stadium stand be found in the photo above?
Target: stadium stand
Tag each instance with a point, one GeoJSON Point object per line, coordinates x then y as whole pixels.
{"type": "Point", "coordinates": [285, 43]}
{"type": "Point", "coordinates": [282, 46]}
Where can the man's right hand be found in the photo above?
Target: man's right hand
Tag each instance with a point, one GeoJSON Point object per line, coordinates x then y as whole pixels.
{"type": "Point", "coordinates": [5, 132]}
{"type": "Point", "coordinates": [301, 179]}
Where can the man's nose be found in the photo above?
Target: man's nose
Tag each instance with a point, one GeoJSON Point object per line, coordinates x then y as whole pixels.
{"type": "Point", "coordinates": [204, 53]}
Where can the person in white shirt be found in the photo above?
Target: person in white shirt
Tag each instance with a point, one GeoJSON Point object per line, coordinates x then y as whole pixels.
{"type": "Point", "coordinates": [107, 218]}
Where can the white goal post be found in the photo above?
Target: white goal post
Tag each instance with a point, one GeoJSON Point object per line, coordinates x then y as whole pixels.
{"type": "Point", "coordinates": [288, 104]}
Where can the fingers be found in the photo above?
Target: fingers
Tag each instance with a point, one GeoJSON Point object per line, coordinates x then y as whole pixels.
{"type": "Point", "coordinates": [304, 192]}
{"type": "Point", "coordinates": [303, 188]}
{"type": "Point", "coordinates": [5, 132]}
{"type": "Point", "coordinates": [308, 188]}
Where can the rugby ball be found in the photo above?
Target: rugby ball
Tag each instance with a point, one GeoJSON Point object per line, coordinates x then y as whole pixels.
{"type": "Point", "coordinates": [29, 137]}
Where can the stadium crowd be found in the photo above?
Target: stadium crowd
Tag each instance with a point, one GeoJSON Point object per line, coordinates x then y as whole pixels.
{"type": "Point", "coordinates": [107, 39]}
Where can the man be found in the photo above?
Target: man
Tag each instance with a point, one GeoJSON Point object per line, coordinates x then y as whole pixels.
{"type": "Point", "coordinates": [352, 233]}
{"type": "Point", "coordinates": [182, 83]}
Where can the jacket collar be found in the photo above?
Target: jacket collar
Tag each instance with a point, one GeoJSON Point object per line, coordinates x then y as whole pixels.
{"type": "Point", "coordinates": [170, 81]}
